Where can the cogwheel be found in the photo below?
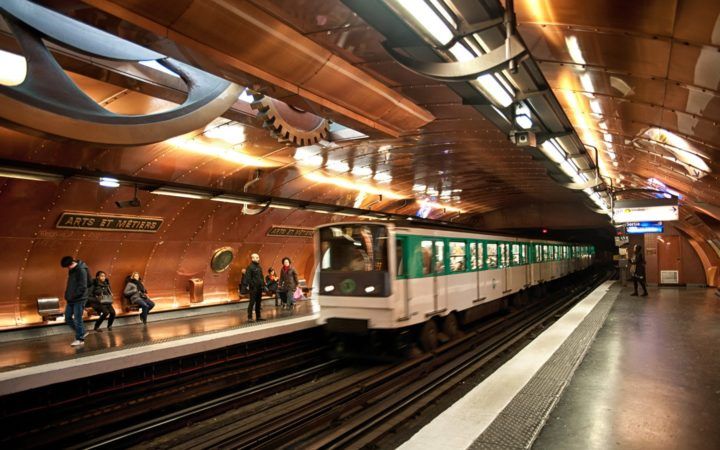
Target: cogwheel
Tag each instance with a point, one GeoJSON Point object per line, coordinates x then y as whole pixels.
{"type": "Point", "coordinates": [289, 124]}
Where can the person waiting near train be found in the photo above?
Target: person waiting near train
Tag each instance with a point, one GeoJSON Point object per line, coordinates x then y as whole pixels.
{"type": "Point", "coordinates": [76, 295]}
{"type": "Point", "coordinates": [637, 270]}
{"type": "Point", "coordinates": [271, 284]}
{"type": "Point", "coordinates": [243, 286]}
{"type": "Point", "coordinates": [256, 285]}
{"type": "Point", "coordinates": [102, 300]}
{"type": "Point", "coordinates": [288, 283]}
{"type": "Point", "coordinates": [137, 294]}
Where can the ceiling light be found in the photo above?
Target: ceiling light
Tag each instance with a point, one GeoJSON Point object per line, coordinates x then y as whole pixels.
{"type": "Point", "coordinates": [230, 132]}
{"type": "Point", "coordinates": [31, 175]}
{"type": "Point", "coordinates": [172, 192]}
{"type": "Point", "coordinates": [524, 121]}
{"type": "Point", "coordinates": [595, 107]}
{"type": "Point", "coordinates": [552, 151]}
{"type": "Point", "coordinates": [427, 19]}
{"type": "Point", "coordinates": [232, 199]}
{"type": "Point", "coordinates": [492, 88]}
{"type": "Point", "coordinates": [109, 182]}
{"type": "Point", "coordinates": [223, 152]}
{"type": "Point", "coordinates": [574, 49]}
{"type": "Point", "coordinates": [603, 125]}
{"type": "Point", "coordinates": [607, 137]}
{"type": "Point", "coordinates": [13, 69]}
{"type": "Point", "coordinates": [337, 166]}
{"type": "Point", "coordinates": [587, 83]}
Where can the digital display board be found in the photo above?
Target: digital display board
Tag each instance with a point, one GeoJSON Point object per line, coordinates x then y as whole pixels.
{"type": "Point", "coordinates": [644, 227]}
{"type": "Point", "coordinates": [645, 210]}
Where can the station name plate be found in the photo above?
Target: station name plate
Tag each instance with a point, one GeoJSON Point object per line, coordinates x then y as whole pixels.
{"type": "Point", "coordinates": [108, 222]}
{"type": "Point", "coordinates": [290, 232]}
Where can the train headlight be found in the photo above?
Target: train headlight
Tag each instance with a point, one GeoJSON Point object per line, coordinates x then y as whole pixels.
{"type": "Point", "coordinates": [369, 289]}
{"type": "Point", "coordinates": [329, 288]}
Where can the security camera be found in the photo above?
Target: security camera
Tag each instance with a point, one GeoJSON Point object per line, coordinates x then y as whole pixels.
{"type": "Point", "coordinates": [523, 138]}
{"type": "Point", "coordinates": [134, 203]}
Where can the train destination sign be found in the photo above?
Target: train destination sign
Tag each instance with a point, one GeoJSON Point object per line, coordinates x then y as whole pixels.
{"type": "Point", "coordinates": [108, 222]}
{"type": "Point", "coordinates": [300, 232]}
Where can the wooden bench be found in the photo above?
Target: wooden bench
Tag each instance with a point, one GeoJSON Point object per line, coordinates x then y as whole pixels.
{"type": "Point", "coordinates": [49, 308]}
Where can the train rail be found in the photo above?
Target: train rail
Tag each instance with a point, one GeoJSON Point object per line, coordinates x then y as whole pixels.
{"type": "Point", "coordinates": [361, 407]}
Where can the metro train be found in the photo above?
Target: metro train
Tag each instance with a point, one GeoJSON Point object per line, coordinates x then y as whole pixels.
{"type": "Point", "coordinates": [396, 279]}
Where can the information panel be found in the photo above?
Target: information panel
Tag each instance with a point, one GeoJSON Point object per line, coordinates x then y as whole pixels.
{"type": "Point", "coordinates": [645, 210]}
{"type": "Point", "coordinates": [644, 227]}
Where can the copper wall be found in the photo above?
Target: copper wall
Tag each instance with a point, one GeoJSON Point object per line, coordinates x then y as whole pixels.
{"type": "Point", "coordinates": [690, 267]}
{"type": "Point", "coordinates": [181, 250]}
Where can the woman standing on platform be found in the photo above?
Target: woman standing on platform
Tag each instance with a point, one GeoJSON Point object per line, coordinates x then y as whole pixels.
{"type": "Point", "coordinates": [103, 300]}
{"type": "Point", "coordinates": [637, 270]}
{"type": "Point", "coordinates": [135, 292]}
{"type": "Point", "coordinates": [271, 284]}
{"type": "Point", "coordinates": [288, 283]}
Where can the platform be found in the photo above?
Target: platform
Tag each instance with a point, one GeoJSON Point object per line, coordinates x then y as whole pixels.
{"type": "Point", "coordinates": [615, 372]}
{"type": "Point", "coordinates": [41, 361]}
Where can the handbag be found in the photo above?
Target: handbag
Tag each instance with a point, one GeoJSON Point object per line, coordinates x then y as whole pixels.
{"type": "Point", "coordinates": [106, 299]}
{"type": "Point", "coordinates": [298, 294]}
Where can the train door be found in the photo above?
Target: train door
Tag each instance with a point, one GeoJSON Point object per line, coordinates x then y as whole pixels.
{"type": "Point", "coordinates": [402, 293]}
{"type": "Point", "coordinates": [525, 259]}
{"type": "Point", "coordinates": [439, 278]}
{"type": "Point", "coordinates": [505, 258]}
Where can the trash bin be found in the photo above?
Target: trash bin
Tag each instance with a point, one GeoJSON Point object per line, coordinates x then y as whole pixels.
{"type": "Point", "coordinates": [195, 287]}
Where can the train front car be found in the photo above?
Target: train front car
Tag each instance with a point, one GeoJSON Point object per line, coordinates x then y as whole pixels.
{"type": "Point", "coordinates": [355, 289]}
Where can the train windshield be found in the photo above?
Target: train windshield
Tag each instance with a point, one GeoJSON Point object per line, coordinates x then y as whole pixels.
{"type": "Point", "coordinates": [353, 248]}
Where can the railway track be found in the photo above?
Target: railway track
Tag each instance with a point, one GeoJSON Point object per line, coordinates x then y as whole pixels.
{"type": "Point", "coordinates": [360, 407]}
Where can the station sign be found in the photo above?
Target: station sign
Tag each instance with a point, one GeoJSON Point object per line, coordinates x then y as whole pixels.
{"type": "Point", "coordinates": [644, 227]}
{"type": "Point", "coordinates": [648, 210]}
{"type": "Point", "coordinates": [283, 231]}
{"type": "Point", "coordinates": [108, 222]}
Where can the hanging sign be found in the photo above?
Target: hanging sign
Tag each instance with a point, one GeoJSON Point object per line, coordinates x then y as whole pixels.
{"type": "Point", "coordinates": [108, 222]}
{"type": "Point", "coordinates": [648, 210]}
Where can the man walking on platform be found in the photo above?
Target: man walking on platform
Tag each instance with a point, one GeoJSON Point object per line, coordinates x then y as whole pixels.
{"type": "Point", "coordinates": [76, 295]}
{"type": "Point", "coordinates": [255, 282]}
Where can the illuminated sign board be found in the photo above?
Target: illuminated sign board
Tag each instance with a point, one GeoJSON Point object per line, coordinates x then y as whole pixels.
{"type": "Point", "coordinates": [647, 210]}
{"type": "Point", "coordinates": [644, 227]}
{"type": "Point", "coordinates": [283, 231]}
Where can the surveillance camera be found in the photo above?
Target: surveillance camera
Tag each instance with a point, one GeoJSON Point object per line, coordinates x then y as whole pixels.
{"type": "Point", "coordinates": [523, 138]}
{"type": "Point", "coordinates": [134, 203]}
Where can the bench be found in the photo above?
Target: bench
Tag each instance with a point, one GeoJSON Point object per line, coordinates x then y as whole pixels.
{"type": "Point", "coordinates": [49, 308]}
{"type": "Point", "coordinates": [129, 306]}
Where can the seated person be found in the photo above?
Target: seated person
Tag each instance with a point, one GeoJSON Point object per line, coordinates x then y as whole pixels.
{"type": "Point", "coordinates": [135, 292]}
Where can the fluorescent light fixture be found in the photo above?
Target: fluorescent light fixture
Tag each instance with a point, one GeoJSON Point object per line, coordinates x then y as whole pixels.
{"type": "Point", "coordinates": [309, 155]}
{"type": "Point", "coordinates": [522, 116]}
{"type": "Point", "coordinates": [492, 88]}
{"type": "Point", "coordinates": [574, 49]}
{"type": "Point", "coordinates": [337, 166]}
{"type": "Point", "coordinates": [109, 182]}
{"type": "Point", "coordinates": [383, 177]}
{"type": "Point", "coordinates": [13, 69]}
{"type": "Point", "coordinates": [230, 132]}
{"type": "Point", "coordinates": [153, 64]}
{"type": "Point", "coordinates": [603, 125]}
{"type": "Point", "coordinates": [552, 151]}
{"type": "Point", "coordinates": [587, 83]}
{"type": "Point", "coordinates": [338, 213]}
{"type": "Point", "coordinates": [595, 107]}
{"type": "Point", "coordinates": [31, 175]}
{"type": "Point", "coordinates": [280, 205]}
{"type": "Point", "coordinates": [427, 19]}
{"type": "Point", "coordinates": [172, 192]}
{"type": "Point", "coordinates": [231, 199]}
{"type": "Point", "coordinates": [607, 137]}
{"type": "Point", "coordinates": [361, 171]}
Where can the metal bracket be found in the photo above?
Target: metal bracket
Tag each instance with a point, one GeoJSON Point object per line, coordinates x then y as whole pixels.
{"type": "Point", "coordinates": [462, 70]}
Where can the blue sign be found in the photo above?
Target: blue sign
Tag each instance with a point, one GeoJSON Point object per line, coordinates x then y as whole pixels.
{"type": "Point", "coordinates": [644, 227]}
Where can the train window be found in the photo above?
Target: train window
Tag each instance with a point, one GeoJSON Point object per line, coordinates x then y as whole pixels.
{"type": "Point", "coordinates": [481, 255]}
{"type": "Point", "coordinates": [523, 254]}
{"type": "Point", "coordinates": [426, 247]}
{"type": "Point", "coordinates": [353, 248]}
{"type": "Point", "coordinates": [516, 254]}
{"type": "Point", "coordinates": [474, 255]}
{"type": "Point", "coordinates": [538, 253]}
{"type": "Point", "coordinates": [504, 255]}
{"type": "Point", "coordinates": [400, 257]}
{"type": "Point", "coordinates": [492, 250]}
{"type": "Point", "coordinates": [457, 257]}
{"type": "Point", "coordinates": [439, 257]}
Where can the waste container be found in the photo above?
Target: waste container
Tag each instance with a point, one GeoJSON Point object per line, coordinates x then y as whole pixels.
{"type": "Point", "coordinates": [195, 286]}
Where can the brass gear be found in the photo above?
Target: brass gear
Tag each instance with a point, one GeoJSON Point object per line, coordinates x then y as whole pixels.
{"type": "Point", "coordinates": [289, 124]}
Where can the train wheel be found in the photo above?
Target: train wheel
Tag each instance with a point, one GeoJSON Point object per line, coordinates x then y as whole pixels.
{"type": "Point", "coordinates": [450, 326]}
{"type": "Point", "coordinates": [429, 336]}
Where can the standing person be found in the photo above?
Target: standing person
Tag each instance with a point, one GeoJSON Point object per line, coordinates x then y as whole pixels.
{"type": "Point", "coordinates": [102, 294]}
{"type": "Point", "coordinates": [637, 269]}
{"type": "Point", "coordinates": [76, 294]}
{"type": "Point", "coordinates": [288, 283]}
{"type": "Point", "coordinates": [243, 286]}
{"type": "Point", "coordinates": [254, 276]}
{"type": "Point", "coordinates": [271, 284]}
{"type": "Point", "coordinates": [135, 291]}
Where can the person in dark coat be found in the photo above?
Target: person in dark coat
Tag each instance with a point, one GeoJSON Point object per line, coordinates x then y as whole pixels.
{"type": "Point", "coordinates": [288, 283]}
{"type": "Point", "coordinates": [135, 291]}
{"type": "Point", "coordinates": [271, 284]}
{"type": "Point", "coordinates": [103, 300]}
{"type": "Point", "coordinates": [637, 270]}
{"type": "Point", "coordinates": [76, 295]}
{"type": "Point", "coordinates": [254, 276]}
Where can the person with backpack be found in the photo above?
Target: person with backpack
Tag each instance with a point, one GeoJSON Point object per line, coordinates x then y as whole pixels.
{"type": "Point", "coordinates": [76, 295]}
{"type": "Point", "coordinates": [103, 300]}
{"type": "Point", "coordinates": [137, 294]}
{"type": "Point", "coordinates": [288, 283]}
{"type": "Point", "coordinates": [256, 285]}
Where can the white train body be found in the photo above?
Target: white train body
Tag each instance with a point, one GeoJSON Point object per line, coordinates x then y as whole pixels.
{"type": "Point", "coordinates": [380, 276]}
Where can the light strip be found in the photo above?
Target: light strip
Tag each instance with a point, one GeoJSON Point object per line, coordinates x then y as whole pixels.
{"type": "Point", "coordinates": [574, 49]}
{"type": "Point", "coordinates": [427, 19]}
{"type": "Point", "coordinates": [31, 175]}
{"type": "Point", "coordinates": [231, 199]}
{"type": "Point", "coordinates": [109, 182]}
{"type": "Point", "coordinates": [170, 192]}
